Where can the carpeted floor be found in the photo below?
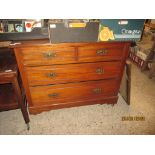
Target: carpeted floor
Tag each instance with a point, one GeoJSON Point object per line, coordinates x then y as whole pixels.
{"type": "Point", "coordinates": [94, 119]}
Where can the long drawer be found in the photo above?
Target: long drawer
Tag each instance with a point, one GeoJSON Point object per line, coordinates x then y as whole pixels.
{"type": "Point", "coordinates": [72, 73]}
{"type": "Point", "coordinates": [62, 93]}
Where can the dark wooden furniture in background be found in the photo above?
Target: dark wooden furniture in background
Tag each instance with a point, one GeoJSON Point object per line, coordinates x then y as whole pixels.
{"type": "Point", "coordinates": [70, 74]}
{"type": "Point", "coordinates": [150, 59]}
{"type": "Point", "coordinates": [125, 87]}
{"type": "Point", "coordinates": [10, 91]}
{"type": "Point", "coordinates": [152, 69]}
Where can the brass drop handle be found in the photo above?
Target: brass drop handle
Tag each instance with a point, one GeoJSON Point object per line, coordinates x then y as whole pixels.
{"type": "Point", "coordinates": [102, 52]}
{"type": "Point", "coordinates": [97, 90]}
{"type": "Point", "coordinates": [53, 95]}
{"type": "Point", "coordinates": [51, 75]}
{"type": "Point", "coordinates": [100, 71]}
{"type": "Point", "coordinates": [49, 54]}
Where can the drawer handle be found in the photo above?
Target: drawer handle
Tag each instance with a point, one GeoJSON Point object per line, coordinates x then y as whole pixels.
{"type": "Point", "coordinates": [49, 55]}
{"type": "Point", "coordinates": [102, 52]}
{"type": "Point", "coordinates": [97, 90]}
{"type": "Point", "coordinates": [53, 95]}
{"type": "Point", "coordinates": [51, 75]}
{"type": "Point", "coordinates": [100, 71]}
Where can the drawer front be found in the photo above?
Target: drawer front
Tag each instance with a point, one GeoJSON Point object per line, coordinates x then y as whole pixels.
{"type": "Point", "coordinates": [105, 52]}
{"type": "Point", "coordinates": [72, 73]}
{"type": "Point", "coordinates": [62, 93]}
{"type": "Point", "coordinates": [33, 56]}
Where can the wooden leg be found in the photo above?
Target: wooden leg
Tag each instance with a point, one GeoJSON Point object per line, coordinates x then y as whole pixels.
{"type": "Point", "coordinates": [20, 101]}
{"type": "Point", "coordinates": [152, 70]}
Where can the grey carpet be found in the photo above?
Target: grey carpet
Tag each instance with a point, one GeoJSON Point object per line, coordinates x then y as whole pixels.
{"type": "Point", "coordinates": [93, 119]}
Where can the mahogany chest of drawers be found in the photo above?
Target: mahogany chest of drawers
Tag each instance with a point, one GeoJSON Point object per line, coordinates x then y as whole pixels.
{"type": "Point", "coordinates": [70, 74]}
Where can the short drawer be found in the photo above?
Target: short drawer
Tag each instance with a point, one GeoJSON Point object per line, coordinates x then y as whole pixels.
{"type": "Point", "coordinates": [62, 93]}
{"type": "Point", "coordinates": [72, 73]}
{"type": "Point", "coordinates": [101, 52]}
{"type": "Point", "coordinates": [36, 56]}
